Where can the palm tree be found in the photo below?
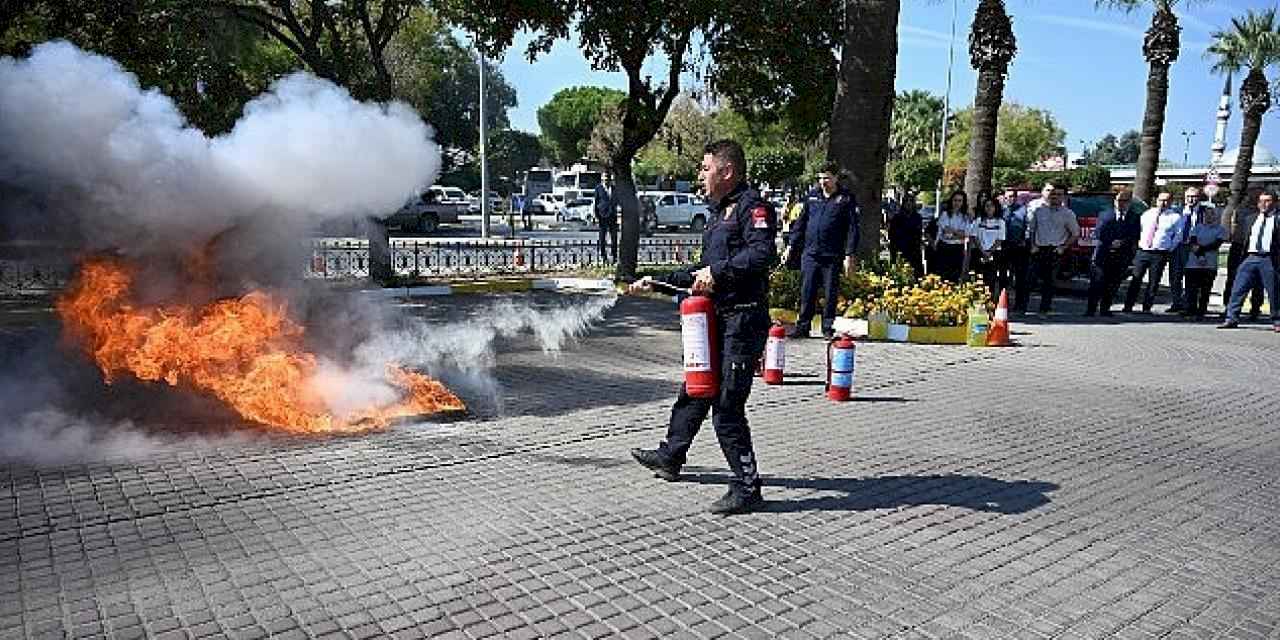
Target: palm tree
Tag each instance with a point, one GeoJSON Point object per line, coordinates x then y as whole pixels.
{"type": "Point", "coordinates": [859, 139]}
{"type": "Point", "coordinates": [916, 125]}
{"type": "Point", "coordinates": [1160, 47]}
{"type": "Point", "coordinates": [991, 49]}
{"type": "Point", "coordinates": [1253, 43]}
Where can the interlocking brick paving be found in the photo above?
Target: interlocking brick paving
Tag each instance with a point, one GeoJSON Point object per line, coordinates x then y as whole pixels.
{"type": "Point", "coordinates": [1101, 480]}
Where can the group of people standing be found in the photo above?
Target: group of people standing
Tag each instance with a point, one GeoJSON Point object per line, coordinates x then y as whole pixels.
{"type": "Point", "coordinates": [1014, 245]}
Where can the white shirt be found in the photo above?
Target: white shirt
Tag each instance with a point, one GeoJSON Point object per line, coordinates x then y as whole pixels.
{"type": "Point", "coordinates": [1049, 226]}
{"type": "Point", "coordinates": [1263, 228]}
{"type": "Point", "coordinates": [1160, 230]}
{"type": "Point", "coordinates": [988, 231]}
{"type": "Point", "coordinates": [958, 224]}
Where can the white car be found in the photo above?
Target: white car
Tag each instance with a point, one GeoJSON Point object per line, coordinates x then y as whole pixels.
{"type": "Point", "coordinates": [496, 202]}
{"type": "Point", "coordinates": [679, 210]}
{"type": "Point", "coordinates": [579, 210]}
{"type": "Point", "coordinates": [448, 195]}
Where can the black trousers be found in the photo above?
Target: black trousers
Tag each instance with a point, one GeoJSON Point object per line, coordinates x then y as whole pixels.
{"type": "Point", "coordinates": [994, 272]}
{"type": "Point", "coordinates": [909, 253]}
{"type": "Point", "coordinates": [1199, 284]}
{"type": "Point", "coordinates": [609, 228]}
{"type": "Point", "coordinates": [1235, 256]}
{"type": "Point", "coordinates": [1105, 276]}
{"type": "Point", "coordinates": [1044, 263]}
{"type": "Point", "coordinates": [819, 276]}
{"type": "Point", "coordinates": [1149, 265]}
{"type": "Point", "coordinates": [742, 337]}
{"type": "Point", "coordinates": [526, 216]}
{"type": "Point", "coordinates": [1018, 273]}
{"type": "Point", "coordinates": [950, 259]}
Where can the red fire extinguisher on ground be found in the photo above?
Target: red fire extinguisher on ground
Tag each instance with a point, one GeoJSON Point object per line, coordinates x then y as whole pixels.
{"type": "Point", "coordinates": [775, 355]}
{"type": "Point", "coordinates": [840, 361]}
{"type": "Point", "coordinates": [701, 355]}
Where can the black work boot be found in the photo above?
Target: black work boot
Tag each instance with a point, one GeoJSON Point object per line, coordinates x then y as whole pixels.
{"type": "Point", "coordinates": [737, 501]}
{"type": "Point", "coordinates": [654, 460]}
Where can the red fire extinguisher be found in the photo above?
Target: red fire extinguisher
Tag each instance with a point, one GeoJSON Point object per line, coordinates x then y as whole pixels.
{"type": "Point", "coordinates": [775, 355]}
{"type": "Point", "coordinates": [840, 359]}
{"type": "Point", "coordinates": [701, 355]}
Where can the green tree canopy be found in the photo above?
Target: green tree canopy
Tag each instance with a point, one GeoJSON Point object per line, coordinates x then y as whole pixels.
{"type": "Point", "coordinates": [916, 128]}
{"type": "Point", "coordinates": [1024, 136]}
{"type": "Point", "coordinates": [915, 174]}
{"type": "Point", "coordinates": [1113, 150]}
{"type": "Point", "coordinates": [569, 117]}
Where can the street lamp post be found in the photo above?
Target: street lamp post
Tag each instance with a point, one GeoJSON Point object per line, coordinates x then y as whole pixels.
{"type": "Point", "coordinates": [946, 111]}
{"type": "Point", "coordinates": [1186, 150]}
{"type": "Point", "coordinates": [484, 160]}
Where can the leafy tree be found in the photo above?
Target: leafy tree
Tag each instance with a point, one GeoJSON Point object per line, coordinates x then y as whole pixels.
{"type": "Point", "coordinates": [915, 174]}
{"type": "Point", "coordinates": [1161, 47]}
{"type": "Point", "coordinates": [439, 77]}
{"type": "Point", "coordinates": [1253, 43]}
{"type": "Point", "coordinates": [613, 37]}
{"type": "Point", "coordinates": [568, 119]}
{"type": "Point", "coordinates": [342, 40]}
{"type": "Point", "coordinates": [916, 128]}
{"type": "Point", "coordinates": [776, 165]}
{"type": "Point", "coordinates": [209, 67]}
{"type": "Point", "coordinates": [512, 152]}
{"type": "Point", "coordinates": [677, 149]}
{"type": "Point", "coordinates": [1112, 150]}
{"type": "Point", "coordinates": [1024, 136]}
{"type": "Point", "coordinates": [1091, 177]}
{"type": "Point", "coordinates": [991, 49]}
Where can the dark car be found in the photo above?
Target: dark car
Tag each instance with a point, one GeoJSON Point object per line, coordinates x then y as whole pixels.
{"type": "Point", "coordinates": [424, 214]}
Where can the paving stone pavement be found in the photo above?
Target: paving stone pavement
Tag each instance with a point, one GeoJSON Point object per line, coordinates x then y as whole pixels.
{"type": "Point", "coordinates": [1101, 480]}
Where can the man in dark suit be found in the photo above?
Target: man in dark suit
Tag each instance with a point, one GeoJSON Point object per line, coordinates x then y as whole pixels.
{"type": "Point", "coordinates": [1117, 234]}
{"type": "Point", "coordinates": [1261, 228]}
{"type": "Point", "coordinates": [1193, 211]}
{"type": "Point", "coordinates": [606, 210]}
{"type": "Point", "coordinates": [1236, 251]}
{"type": "Point", "coordinates": [905, 232]}
{"type": "Point", "coordinates": [825, 239]}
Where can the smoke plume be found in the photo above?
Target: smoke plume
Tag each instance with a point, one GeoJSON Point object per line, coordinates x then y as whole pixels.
{"type": "Point", "coordinates": [78, 132]}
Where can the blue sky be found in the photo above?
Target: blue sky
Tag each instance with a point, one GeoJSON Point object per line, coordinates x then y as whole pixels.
{"type": "Point", "coordinates": [1084, 65]}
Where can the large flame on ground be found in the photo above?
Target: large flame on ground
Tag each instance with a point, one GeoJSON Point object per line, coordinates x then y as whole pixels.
{"type": "Point", "coordinates": [244, 351]}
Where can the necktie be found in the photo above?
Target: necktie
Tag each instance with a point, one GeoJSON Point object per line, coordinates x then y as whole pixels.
{"type": "Point", "coordinates": [1149, 237]}
{"type": "Point", "coordinates": [1262, 231]}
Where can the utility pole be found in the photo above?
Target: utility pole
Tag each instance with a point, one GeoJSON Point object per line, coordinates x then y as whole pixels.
{"type": "Point", "coordinates": [484, 160]}
{"type": "Point", "coordinates": [946, 112]}
{"type": "Point", "coordinates": [1186, 151]}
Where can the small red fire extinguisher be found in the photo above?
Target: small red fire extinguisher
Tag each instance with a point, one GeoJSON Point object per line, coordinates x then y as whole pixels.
{"type": "Point", "coordinates": [701, 357]}
{"type": "Point", "coordinates": [775, 355]}
{"type": "Point", "coordinates": [840, 359]}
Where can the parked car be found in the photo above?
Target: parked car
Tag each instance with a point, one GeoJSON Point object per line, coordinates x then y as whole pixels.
{"type": "Point", "coordinates": [424, 214]}
{"type": "Point", "coordinates": [674, 210]}
{"type": "Point", "coordinates": [1088, 206]}
{"type": "Point", "coordinates": [551, 203]}
{"type": "Point", "coordinates": [496, 202]}
{"type": "Point", "coordinates": [579, 210]}
{"type": "Point", "coordinates": [448, 195]}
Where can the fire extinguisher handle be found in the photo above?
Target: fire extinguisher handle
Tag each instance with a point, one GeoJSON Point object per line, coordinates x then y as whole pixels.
{"type": "Point", "coordinates": [670, 288]}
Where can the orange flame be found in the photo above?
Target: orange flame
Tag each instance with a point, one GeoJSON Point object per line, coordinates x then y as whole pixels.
{"type": "Point", "coordinates": [246, 352]}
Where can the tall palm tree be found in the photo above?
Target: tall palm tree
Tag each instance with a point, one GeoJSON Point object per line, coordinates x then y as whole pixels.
{"type": "Point", "coordinates": [859, 139]}
{"type": "Point", "coordinates": [916, 125]}
{"type": "Point", "coordinates": [1160, 47]}
{"type": "Point", "coordinates": [1253, 43]}
{"type": "Point", "coordinates": [991, 49]}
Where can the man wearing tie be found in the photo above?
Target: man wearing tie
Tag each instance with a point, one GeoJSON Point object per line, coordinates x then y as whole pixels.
{"type": "Point", "coordinates": [1260, 263]}
{"type": "Point", "coordinates": [1237, 243]}
{"type": "Point", "coordinates": [606, 211]}
{"type": "Point", "coordinates": [1161, 233]}
{"type": "Point", "coordinates": [1193, 212]}
{"type": "Point", "coordinates": [1117, 233]}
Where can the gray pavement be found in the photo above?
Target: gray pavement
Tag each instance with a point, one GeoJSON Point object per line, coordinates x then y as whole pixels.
{"type": "Point", "coordinates": [1101, 480]}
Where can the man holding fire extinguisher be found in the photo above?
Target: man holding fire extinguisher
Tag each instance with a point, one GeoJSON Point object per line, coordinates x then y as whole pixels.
{"type": "Point", "coordinates": [737, 252]}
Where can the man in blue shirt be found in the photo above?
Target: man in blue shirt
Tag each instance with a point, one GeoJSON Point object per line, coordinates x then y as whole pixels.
{"type": "Point", "coordinates": [824, 239]}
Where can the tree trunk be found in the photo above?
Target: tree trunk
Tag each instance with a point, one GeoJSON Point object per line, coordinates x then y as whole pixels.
{"type": "Point", "coordinates": [1244, 162]}
{"type": "Point", "coordinates": [982, 146]}
{"type": "Point", "coordinates": [864, 106]}
{"type": "Point", "coordinates": [624, 189]}
{"type": "Point", "coordinates": [1144, 182]}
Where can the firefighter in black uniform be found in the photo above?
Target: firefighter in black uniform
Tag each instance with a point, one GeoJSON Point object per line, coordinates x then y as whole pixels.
{"type": "Point", "coordinates": [737, 253]}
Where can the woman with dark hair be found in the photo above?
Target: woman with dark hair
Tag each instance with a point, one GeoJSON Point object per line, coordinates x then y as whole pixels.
{"type": "Point", "coordinates": [988, 239]}
{"type": "Point", "coordinates": [953, 236]}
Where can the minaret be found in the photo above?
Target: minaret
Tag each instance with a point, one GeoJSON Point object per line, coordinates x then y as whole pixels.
{"type": "Point", "coordinates": [1220, 132]}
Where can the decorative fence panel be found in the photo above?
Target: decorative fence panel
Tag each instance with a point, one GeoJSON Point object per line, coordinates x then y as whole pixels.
{"type": "Point", "coordinates": [348, 258]}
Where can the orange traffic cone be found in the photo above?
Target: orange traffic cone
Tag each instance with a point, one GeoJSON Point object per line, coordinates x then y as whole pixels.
{"type": "Point", "coordinates": [998, 334]}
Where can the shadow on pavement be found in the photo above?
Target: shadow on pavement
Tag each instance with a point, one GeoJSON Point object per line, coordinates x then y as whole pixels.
{"type": "Point", "coordinates": [980, 493]}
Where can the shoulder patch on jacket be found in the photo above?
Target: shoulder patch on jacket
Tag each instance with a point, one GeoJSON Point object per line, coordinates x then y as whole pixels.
{"type": "Point", "coordinates": [760, 217]}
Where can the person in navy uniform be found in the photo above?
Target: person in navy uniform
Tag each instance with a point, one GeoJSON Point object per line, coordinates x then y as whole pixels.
{"type": "Point", "coordinates": [606, 210]}
{"type": "Point", "coordinates": [737, 254]}
{"type": "Point", "coordinates": [823, 241]}
{"type": "Point", "coordinates": [1117, 233]}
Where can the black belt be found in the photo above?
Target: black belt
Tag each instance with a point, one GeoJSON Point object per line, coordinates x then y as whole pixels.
{"type": "Point", "coordinates": [1260, 254]}
{"type": "Point", "coordinates": [1159, 251]}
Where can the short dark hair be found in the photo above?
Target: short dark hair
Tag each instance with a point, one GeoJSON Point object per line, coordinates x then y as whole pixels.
{"type": "Point", "coordinates": [831, 166]}
{"type": "Point", "coordinates": [731, 152]}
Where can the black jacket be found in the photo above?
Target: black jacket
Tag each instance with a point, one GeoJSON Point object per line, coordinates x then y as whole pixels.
{"type": "Point", "coordinates": [1109, 229]}
{"type": "Point", "coordinates": [827, 227]}
{"type": "Point", "coordinates": [738, 245]}
{"type": "Point", "coordinates": [1244, 226]}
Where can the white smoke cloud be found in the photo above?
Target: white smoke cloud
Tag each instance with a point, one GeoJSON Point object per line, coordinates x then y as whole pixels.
{"type": "Point", "coordinates": [54, 437]}
{"type": "Point", "coordinates": [303, 152]}
{"type": "Point", "coordinates": [462, 351]}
